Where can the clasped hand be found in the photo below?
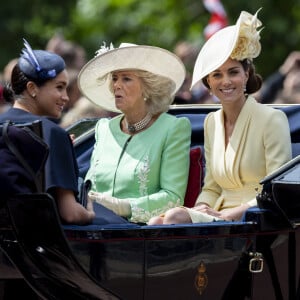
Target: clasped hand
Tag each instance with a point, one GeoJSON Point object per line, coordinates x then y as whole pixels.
{"type": "Point", "coordinates": [228, 214]}
{"type": "Point", "coordinates": [120, 207]}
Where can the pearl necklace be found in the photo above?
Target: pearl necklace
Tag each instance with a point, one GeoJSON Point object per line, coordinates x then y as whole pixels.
{"type": "Point", "coordinates": [133, 128]}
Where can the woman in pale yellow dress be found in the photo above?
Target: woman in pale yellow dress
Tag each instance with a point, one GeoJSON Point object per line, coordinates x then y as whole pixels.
{"type": "Point", "coordinates": [244, 140]}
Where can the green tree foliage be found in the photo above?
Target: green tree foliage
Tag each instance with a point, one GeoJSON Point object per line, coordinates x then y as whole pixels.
{"type": "Point", "coordinates": [281, 29]}
{"type": "Point", "coordinates": [156, 22]}
{"type": "Point", "coordinates": [35, 20]}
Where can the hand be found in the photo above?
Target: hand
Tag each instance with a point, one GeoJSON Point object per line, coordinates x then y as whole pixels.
{"type": "Point", "coordinates": [95, 196]}
{"type": "Point", "coordinates": [233, 214]}
{"type": "Point", "coordinates": [120, 207]}
{"type": "Point", "coordinates": [203, 207]}
{"type": "Point", "coordinates": [72, 137]}
{"type": "Point", "coordinates": [291, 62]}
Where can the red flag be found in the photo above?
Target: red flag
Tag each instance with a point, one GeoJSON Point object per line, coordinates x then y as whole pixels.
{"type": "Point", "coordinates": [218, 18]}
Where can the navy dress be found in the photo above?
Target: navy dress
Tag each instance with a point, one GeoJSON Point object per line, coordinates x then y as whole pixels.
{"type": "Point", "coordinates": [61, 169]}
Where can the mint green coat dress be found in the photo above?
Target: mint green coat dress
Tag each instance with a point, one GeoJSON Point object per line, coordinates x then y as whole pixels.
{"type": "Point", "coordinates": [149, 169]}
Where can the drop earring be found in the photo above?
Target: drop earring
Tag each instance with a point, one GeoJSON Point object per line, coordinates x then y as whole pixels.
{"type": "Point", "coordinates": [209, 89]}
{"type": "Point", "coordinates": [245, 91]}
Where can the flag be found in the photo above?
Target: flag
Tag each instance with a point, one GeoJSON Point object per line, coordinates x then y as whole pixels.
{"type": "Point", "coordinates": [218, 18]}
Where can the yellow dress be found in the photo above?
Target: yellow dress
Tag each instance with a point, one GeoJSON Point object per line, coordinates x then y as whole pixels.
{"type": "Point", "coordinates": [260, 143]}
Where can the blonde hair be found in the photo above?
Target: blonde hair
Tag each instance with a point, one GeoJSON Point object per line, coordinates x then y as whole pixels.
{"type": "Point", "coordinates": [158, 90]}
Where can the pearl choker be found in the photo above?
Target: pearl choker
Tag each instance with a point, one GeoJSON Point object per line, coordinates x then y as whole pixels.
{"type": "Point", "coordinates": [133, 128]}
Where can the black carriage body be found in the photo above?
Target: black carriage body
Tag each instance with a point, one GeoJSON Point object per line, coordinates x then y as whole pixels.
{"type": "Point", "coordinates": [254, 259]}
{"type": "Point", "coordinates": [192, 262]}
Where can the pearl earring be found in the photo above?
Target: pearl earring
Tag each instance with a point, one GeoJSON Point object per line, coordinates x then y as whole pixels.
{"type": "Point", "coordinates": [33, 95]}
{"type": "Point", "coordinates": [145, 99]}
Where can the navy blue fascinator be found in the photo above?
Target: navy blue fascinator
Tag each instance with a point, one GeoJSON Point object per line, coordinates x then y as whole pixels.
{"type": "Point", "coordinates": [40, 64]}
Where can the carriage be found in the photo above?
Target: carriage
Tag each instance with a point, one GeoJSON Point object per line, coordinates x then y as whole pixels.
{"type": "Point", "coordinates": [255, 258]}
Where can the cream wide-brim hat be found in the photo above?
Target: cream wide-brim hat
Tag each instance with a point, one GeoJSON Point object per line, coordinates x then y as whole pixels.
{"type": "Point", "coordinates": [95, 87]}
{"type": "Point", "coordinates": [214, 53]}
{"type": "Point", "coordinates": [219, 47]}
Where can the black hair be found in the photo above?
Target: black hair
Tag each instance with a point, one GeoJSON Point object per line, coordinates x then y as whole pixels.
{"type": "Point", "coordinates": [18, 84]}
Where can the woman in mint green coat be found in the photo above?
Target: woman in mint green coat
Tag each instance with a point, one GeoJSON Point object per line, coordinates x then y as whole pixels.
{"type": "Point", "coordinates": [140, 162]}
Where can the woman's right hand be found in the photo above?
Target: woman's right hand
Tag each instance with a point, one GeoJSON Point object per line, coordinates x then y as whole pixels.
{"type": "Point", "coordinates": [203, 207]}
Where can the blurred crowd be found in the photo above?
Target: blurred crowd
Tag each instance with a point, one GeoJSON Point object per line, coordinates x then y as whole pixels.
{"type": "Point", "coordinates": [283, 86]}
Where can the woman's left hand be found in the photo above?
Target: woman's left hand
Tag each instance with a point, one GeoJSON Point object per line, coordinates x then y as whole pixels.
{"type": "Point", "coordinates": [233, 214]}
{"type": "Point", "coordinates": [120, 207]}
{"type": "Point", "coordinates": [72, 137]}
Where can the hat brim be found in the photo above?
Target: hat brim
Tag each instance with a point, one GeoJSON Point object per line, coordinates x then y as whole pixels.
{"type": "Point", "coordinates": [148, 58]}
{"type": "Point", "coordinates": [215, 52]}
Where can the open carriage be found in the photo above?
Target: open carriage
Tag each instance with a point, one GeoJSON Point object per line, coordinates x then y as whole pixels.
{"type": "Point", "coordinates": [256, 258]}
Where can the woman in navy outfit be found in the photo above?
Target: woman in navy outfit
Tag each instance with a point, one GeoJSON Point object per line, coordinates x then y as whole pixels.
{"type": "Point", "coordinates": [38, 90]}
